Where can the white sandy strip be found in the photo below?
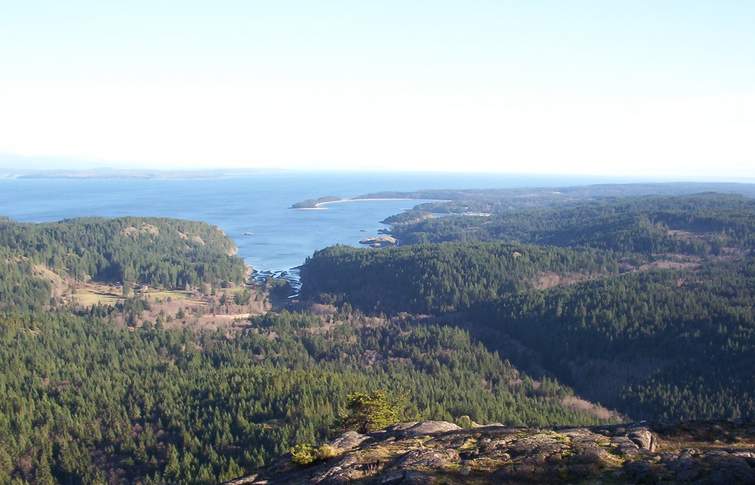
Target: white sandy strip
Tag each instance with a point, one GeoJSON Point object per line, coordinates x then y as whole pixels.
{"type": "Point", "coordinates": [340, 201]}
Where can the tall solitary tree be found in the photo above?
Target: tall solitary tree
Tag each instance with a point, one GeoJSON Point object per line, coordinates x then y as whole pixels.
{"type": "Point", "coordinates": [368, 412]}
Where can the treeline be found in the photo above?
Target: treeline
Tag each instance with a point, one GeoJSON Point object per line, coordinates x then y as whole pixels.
{"type": "Point", "coordinates": [154, 251]}
{"type": "Point", "coordinates": [434, 278]}
{"type": "Point", "coordinates": [85, 401]}
{"type": "Point", "coordinates": [704, 224]}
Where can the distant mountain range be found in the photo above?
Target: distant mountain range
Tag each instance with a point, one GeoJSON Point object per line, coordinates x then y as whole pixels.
{"type": "Point", "coordinates": [113, 173]}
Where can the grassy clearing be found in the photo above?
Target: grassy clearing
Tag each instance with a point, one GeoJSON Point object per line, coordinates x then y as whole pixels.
{"type": "Point", "coordinates": [88, 297]}
{"type": "Point", "coordinates": [203, 311]}
{"type": "Point", "coordinates": [92, 294]}
{"type": "Point", "coordinates": [174, 295]}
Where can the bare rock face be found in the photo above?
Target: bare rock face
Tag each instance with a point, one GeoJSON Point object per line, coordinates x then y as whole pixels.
{"type": "Point", "coordinates": [348, 441]}
{"type": "Point", "coordinates": [429, 427]}
{"type": "Point", "coordinates": [441, 452]}
{"type": "Point", "coordinates": [381, 241]}
{"type": "Point", "coordinates": [643, 438]}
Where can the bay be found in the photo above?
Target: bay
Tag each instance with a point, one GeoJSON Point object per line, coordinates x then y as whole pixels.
{"type": "Point", "coordinates": [252, 209]}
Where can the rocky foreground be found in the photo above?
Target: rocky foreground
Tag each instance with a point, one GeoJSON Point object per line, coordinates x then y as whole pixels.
{"type": "Point", "coordinates": [441, 452]}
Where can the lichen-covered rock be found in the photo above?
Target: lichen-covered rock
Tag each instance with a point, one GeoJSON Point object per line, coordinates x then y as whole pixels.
{"type": "Point", "coordinates": [440, 452]}
{"type": "Point", "coordinates": [429, 459]}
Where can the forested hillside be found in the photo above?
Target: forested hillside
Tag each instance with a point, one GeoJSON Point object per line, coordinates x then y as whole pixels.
{"type": "Point", "coordinates": [19, 288]}
{"type": "Point", "coordinates": [700, 225]}
{"type": "Point", "coordinates": [440, 277]}
{"type": "Point", "coordinates": [644, 304]}
{"type": "Point", "coordinates": [659, 345]}
{"type": "Point", "coordinates": [85, 400]}
{"type": "Point", "coordinates": [160, 252]}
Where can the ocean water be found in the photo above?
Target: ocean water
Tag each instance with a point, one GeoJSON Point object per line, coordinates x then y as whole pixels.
{"type": "Point", "coordinates": [278, 238]}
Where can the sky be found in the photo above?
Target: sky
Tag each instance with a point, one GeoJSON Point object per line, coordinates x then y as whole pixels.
{"type": "Point", "coordinates": [640, 88]}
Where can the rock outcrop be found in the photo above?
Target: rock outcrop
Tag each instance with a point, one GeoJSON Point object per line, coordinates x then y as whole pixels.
{"type": "Point", "coordinates": [441, 452]}
{"type": "Point", "coordinates": [381, 241]}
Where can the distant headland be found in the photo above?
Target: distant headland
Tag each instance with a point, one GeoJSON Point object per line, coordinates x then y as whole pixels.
{"type": "Point", "coordinates": [315, 203]}
{"type": "Point", "coordinates": [332, 199]}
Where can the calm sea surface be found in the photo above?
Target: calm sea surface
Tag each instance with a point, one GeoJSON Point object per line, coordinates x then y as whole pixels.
{"type": "Point", "coordinates": [278, 238]}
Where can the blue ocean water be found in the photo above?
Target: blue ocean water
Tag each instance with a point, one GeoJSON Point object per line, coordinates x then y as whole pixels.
{"type": "Point", "coordinates": [277, 238]}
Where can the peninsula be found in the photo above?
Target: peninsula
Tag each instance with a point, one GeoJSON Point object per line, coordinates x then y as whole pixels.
{"type": "Point", "coordinates": [315, 203]}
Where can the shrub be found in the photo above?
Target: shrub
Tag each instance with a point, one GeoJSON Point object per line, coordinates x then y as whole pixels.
{"type": "Point", "coordinates": [303, 454]}
{"type": "Point", "coordinates": [464, 421]}
{"type": "Point", "coordinates": [327, 451]}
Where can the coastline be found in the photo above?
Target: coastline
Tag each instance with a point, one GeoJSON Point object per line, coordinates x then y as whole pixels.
{"type": "Point", "coordinates": [319, 205]}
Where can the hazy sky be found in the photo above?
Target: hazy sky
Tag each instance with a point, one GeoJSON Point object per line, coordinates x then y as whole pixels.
{"type": "Point", "coordinates": [660, 88]}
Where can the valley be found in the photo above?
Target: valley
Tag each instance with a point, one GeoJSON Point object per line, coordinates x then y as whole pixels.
{"type": "Point", "coordinates": [156, 358]}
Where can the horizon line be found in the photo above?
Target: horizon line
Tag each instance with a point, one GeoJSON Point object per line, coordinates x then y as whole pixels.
{"type": "Point", "coordinates": [218, 171]}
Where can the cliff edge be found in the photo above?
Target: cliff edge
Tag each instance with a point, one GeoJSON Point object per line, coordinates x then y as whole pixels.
{"type": "Point", "coordinates": [441, 452]}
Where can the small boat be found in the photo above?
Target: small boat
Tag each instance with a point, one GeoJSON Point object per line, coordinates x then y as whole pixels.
{"type": "Point", "coordinates": [248, 234]}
